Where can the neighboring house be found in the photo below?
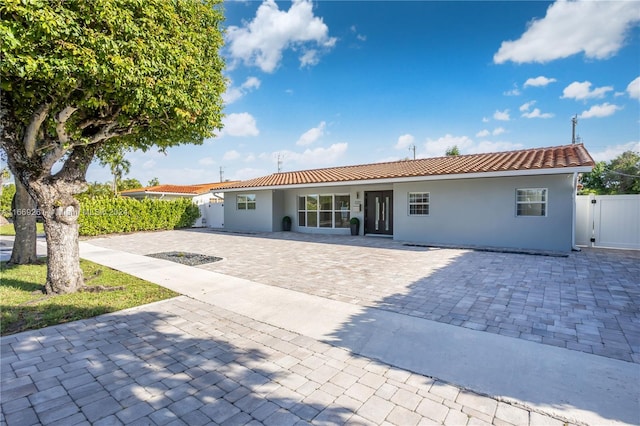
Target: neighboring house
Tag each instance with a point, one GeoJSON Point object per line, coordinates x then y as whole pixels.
{"type": "Point", "coordinates": [519, 199]}
{"type": "Point", "coordinates": [205, 195]}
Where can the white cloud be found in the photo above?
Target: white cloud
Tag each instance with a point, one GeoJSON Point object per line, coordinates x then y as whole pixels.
{"type": "Point", "coordinates": [251, 83]}
{"type": "Point", "coordinates": [438, 147]}
{"type": "Point", "coordinates": [633, 89]}
{"type": "Point", "coordinates": [539, 81]}
{"type": "Point", "coordinates": [240, 124]}
{"type": "Point", "coordinates": [262, 41]}
{"type": "Point", "coordinates": [233, 93]}
{"type": "Point", "coordinates": [231, 155]}
{"type": "Point", "coordinates": [527, 105]}
{"type": "Point", "coordinates": [483, 133]}
{"type": "Point", "coordinates": [611, 152]}
{"type": "Point", "coordinates": [501, 115]}
{"type": "Point", "coordinates": [309, 58]}
{"type": "Point", "coordinates": [404, 141]}
{"type": "Point", "coordinates": [250, 173]}
{"type": "Point", "coordinates": [498, 131]}
{"type": "Point", "coordinates": [310, 157]}
{"type": "Point", "coordinates": [149, 164]}
{"type": "Point", "coordinates": [597, 28]}
{"type": "Point", "coordinates": [358, 36]}
{"type": "Point", "coordinates": [489, 146]}
{"type": "Point", "coordinates": [312, 135]}
{"type": "Point", "coordinates": [581, 91]}
{"type": "Point", "coordinates": [536, 113]}
{"type": "Point", "coordinates": [206, 161]}
{"type": "Point", "coordinates": [598, 111]}
{"type": "Point", "coordinates": [513, 92]}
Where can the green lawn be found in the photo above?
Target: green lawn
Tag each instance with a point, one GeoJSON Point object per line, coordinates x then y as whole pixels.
{"type": "Point", "coordinates": [8, 229]}
{"type": "Point", "coordinates": [24, 306]}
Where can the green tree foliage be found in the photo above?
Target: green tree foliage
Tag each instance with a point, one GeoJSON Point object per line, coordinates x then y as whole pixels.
{"type": "Point", "coordinates": [154, 182]}
{"type": "Point", "coordinates": [8, 192]}
{"type": "Point", "coordinates": [452, 151]}
{"type": "Point", "coordinates": [118, 165]}
{"type": "Point", "coordinates": [76, 75]}
{"type": "Point", "coordinates": [107, 215]}
{"type": "Point", "coordinates": [127, 184]}
{"type": "Point", "coordinates": [619, 176]}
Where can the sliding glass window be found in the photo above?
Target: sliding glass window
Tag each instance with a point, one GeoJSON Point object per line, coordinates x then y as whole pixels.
{"type": "Point", "coordinates": [324, 210]}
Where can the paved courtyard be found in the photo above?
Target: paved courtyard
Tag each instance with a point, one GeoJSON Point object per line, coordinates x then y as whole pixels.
{"type": "Point", "coordinates": [588, 301]}
{"type": "Point", "coordinates": [185, 362]}
{"type": "Point", "coordinates": [189, 361]}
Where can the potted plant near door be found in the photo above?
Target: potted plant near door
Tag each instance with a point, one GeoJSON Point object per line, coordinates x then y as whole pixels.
{"type": "Point", "coordinates": [286, 223]}
{"type": "Point", "coordinates": [355, 226]}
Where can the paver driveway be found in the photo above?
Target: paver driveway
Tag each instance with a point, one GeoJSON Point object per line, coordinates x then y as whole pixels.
{"type": "Point", "coordinates": [588, 301]}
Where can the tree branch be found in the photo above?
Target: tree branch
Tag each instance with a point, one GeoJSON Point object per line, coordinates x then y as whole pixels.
{"type": "Point", "coordinates": [31, 133]}
{"type": "Point", "coordinates": [61, 121]}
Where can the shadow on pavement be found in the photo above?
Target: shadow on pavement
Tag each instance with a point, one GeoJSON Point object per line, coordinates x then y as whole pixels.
{"type": "Point", "coordinates": [138, 366]}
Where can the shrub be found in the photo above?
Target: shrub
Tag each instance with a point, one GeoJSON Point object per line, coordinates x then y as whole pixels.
{"type": "Point", "coordinates": [106, 215]}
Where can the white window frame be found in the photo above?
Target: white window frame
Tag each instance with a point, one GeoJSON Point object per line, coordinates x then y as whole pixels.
{"type": "Point", "coordinates": [544, 202]}
{"type": "Point", "coordinates": [333, 210]}
{"type": "Point", "coordinates": [421, 203]}
{"type": "Point", "coordinates": [244, 200]}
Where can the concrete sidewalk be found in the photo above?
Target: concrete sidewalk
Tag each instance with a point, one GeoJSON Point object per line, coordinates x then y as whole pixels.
{"type": "Point", "coordinates": [570, 385]}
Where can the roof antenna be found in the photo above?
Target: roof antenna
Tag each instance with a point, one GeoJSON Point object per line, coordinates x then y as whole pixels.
{"type": "Point", "coordinates": [413, 148]}
{"type": "Point", "coordinates": [574, 124]}
{"type": "Point", "coordinates": [280, 159]}
{"type": "Point", "coordinates": [221, 174]}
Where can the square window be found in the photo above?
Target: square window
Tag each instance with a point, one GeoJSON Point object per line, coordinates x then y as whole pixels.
{"type": "Point", "coordinates": [418, 204]}
{"type": "Point", "coordinates": [531, 202]}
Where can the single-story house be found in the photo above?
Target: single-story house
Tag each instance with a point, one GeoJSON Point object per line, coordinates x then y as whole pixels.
{"type": "Point", "coordinates": [205, 195]}
{"type": "Point", "coordinates": [519, 199]}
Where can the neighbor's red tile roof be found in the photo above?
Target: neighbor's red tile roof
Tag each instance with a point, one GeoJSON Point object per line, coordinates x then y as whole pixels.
{"type": "Point", "coordinates": [557, 157]}
{"type": "Point", "coordinates": [198, 189]}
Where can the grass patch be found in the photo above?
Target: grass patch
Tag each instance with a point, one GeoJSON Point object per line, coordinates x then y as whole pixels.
{"type": "Point", "coordinates": [8, 229]}
{"type": "Point", "coordinates": [24, 306]}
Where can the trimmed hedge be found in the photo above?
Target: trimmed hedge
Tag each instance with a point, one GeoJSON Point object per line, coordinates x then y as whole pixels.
{"type": "Point", "coordinates": [106, 215]}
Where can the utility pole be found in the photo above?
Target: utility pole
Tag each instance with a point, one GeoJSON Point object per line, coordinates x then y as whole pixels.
{"type": "Point", "coordinates": [574, 124]}
{"type": "Point", "coordinates": [413, 148]}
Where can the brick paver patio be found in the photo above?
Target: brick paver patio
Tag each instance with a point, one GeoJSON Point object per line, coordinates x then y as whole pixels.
{"type": "Point", "coordinates": [185, 362]}
{"type": "Point", "coordinates": [588, 301]}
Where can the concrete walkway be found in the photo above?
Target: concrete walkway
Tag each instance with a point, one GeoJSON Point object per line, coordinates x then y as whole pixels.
{"type": "Point", "coordinates": [235, 351]}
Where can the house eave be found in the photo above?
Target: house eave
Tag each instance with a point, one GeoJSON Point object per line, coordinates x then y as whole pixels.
{"type": "Point", "coordinates": [510, 173]}
{"type": "Point", "coordinates": [144, 193]}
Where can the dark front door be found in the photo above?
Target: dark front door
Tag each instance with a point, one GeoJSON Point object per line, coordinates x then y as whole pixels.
{"type": "Point", "coordinates": [378, 212]}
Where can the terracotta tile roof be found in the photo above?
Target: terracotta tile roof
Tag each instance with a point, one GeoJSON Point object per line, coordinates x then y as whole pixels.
{"type": "Point", "coordinates": [557, 157]}
{"type": "Point", "coordinates": [197, 189]}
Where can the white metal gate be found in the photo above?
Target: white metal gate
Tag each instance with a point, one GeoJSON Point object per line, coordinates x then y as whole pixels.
{"type": "Point", "coordinates": [611, 221]}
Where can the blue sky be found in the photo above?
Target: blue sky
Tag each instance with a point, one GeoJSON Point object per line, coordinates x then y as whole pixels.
{"type": "Point", "coordinates": [330, 83]}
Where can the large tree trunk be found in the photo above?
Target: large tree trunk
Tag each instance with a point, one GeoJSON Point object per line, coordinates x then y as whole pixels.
{"type": "Point", "coordinates": [60, 211]}
{"type": "Point", "coordinates": [24, 222]}
{"type": "Point", "coordinates": [63, 254]}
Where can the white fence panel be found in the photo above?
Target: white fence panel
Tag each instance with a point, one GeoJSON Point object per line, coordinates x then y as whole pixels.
{"type": "Point", "coordinates": [584, 220]}
{"type": "Point", "coordinates": [613, 221]}
{"type": "Point", "coordinates": [213, 214]}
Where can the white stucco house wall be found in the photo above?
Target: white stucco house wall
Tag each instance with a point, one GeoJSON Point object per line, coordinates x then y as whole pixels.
{"type": "Point", "coordinates": [519, 199]}
{"type": "Point", "coordinates": [206, 196]}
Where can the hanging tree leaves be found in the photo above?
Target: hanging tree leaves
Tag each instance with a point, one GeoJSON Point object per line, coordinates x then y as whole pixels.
{"type": "Point", "coordinates": [76, 75]}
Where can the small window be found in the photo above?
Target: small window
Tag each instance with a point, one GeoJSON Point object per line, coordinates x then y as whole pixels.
{"type": "Point", "coordinates": [246, 202]}
{"type": "Point", "coordinates": [418, 203]}
{"type": "Point", "coordinates": [531, 202]}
